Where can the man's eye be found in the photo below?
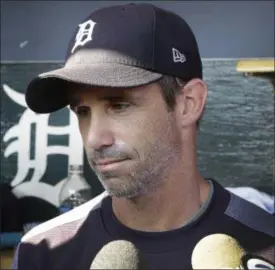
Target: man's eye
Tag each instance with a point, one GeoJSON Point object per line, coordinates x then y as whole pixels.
{"type": "Point", "coordinates": [119, 106]}
{"type": "Point", "coordinates": [82, 111]}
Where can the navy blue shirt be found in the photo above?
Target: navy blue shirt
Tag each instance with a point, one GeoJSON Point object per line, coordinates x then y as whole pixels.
{"type": "Point", "coordinates": [72, 240]}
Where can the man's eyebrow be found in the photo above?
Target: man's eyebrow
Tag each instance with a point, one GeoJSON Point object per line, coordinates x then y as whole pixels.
{"type": "Point", "coordinates": [75, 100]}
{"type": "Point", "coordinates": [117, 96]}
{"type": "Point", "coordinates": [112, 97]}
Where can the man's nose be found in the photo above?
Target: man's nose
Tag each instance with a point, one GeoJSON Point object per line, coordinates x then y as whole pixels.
{"type": "Point", "coordinates": [99, 135]}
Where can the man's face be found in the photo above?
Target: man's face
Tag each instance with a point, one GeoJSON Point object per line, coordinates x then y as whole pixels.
{"type": "Point", "coordinates": [130, 138]}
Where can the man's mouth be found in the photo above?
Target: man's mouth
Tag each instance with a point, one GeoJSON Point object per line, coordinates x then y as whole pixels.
{"type": "Point", "coordinates": [109, 165]}
{"type": "Point", "coordinates": [104, 162]}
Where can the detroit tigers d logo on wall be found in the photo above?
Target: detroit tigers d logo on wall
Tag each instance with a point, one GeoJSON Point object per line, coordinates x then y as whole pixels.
{"type": "Point", "coordinates": [17, 141]}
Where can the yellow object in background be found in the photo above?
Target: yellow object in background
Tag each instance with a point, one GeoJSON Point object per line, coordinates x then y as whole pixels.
{"type": "Point", "coordinates": [256, 65]}
{"type": "Point", "coordinates": [6, 258]}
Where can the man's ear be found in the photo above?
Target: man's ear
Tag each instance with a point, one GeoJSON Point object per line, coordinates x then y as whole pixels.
{"type": "Point", "coordinates": [191, 101]}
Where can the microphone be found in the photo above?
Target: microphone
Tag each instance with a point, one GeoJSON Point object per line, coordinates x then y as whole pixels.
{"type": "Point", "coordinates": [251, 261]}
{"type": "Point", "coordinates": [217, 251]}
{"type": "Point", "coordinates": [220, 251]}
{"type": "Point", "coordinates": [119, 254]}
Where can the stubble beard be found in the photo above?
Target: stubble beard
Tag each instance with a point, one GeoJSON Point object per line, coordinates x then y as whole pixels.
{"type": "Point", "coordinates": [147, 175]}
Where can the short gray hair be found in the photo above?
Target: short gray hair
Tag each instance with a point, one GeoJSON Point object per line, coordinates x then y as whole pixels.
{"type": "Point", "coordinates": [170, 88]}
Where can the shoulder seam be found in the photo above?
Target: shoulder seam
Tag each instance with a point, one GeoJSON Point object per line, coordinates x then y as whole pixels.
{"type": "Point", "coordinates": [250, 215]}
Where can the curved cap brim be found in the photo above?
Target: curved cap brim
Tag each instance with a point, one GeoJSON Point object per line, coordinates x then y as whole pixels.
{"type": "Point", "coordinates": [48, 92]}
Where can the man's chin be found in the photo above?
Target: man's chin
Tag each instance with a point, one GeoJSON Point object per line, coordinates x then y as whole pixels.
{"type": "Point", "coordinates": [123, 194]}
{"type": "Point", "coordinates": [120, 195]}
{"type": "Point", "coordinates": [120, 187]}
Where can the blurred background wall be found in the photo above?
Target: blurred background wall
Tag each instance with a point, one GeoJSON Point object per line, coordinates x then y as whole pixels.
{"type": "Point", "coordinates": [236, 141]}
{"type": "Point", "coordinates": [41, 30]}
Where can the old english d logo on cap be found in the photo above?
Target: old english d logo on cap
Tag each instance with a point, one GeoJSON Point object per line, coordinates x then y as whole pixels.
{"type": "Point", "coordinates": [84, 34]}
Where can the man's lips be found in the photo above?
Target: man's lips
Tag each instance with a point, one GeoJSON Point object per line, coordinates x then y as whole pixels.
{"type": "Point", "coordinates": [109, 165]}
{"type": "Point", "coordinates": [107, 162]}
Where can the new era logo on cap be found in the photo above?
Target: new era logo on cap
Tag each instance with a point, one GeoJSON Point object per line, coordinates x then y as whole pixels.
{"type": "Point", "coordinates": [178, 56]}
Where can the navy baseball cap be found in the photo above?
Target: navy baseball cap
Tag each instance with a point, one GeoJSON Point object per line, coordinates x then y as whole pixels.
{"type": "Point", "coordinates": [120, 46]}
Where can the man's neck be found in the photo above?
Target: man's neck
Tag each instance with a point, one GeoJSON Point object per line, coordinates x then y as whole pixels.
{"type": "Point", "coordinates": [167, 208]}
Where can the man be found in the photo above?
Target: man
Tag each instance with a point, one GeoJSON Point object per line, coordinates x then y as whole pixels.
{"type": "Point", "coordinates": [133, 76]}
